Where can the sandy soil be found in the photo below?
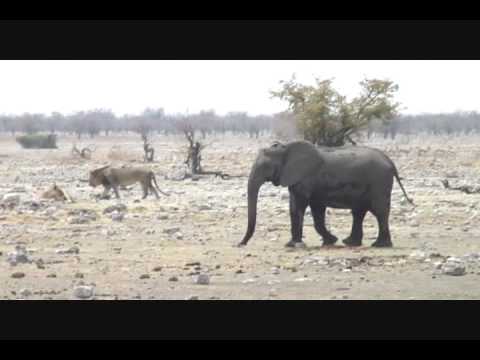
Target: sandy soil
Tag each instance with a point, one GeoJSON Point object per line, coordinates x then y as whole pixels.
{"type": "Point", "coordinates": [160, 247]}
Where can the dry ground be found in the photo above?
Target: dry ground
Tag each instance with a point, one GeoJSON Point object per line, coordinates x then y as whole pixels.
{"type": "Point", "coordinates": [195, 229]}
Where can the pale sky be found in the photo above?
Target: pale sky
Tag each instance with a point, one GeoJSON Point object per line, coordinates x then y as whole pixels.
{"type": "Point", "coordinates": [243, 85]}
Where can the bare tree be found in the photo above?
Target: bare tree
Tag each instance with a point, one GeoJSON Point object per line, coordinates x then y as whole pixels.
{"type": "Point", "coordinates": [84, 153]}
{"type": "Point", "coordinates": [147, 149]}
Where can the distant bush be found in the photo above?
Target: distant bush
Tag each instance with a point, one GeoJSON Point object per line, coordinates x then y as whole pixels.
{"type": "Point", "coordinates": [38, 141]}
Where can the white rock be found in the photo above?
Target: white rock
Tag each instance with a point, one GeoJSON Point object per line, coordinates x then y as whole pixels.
{"type": "Point", "coordinates": [473, 257]}
{"type": "Point", "coordinates": [25, 293]}
{"type": "Point", "coordinates": [11, 199]}
{"type": "Point", "coordinates": [83, 291]}
{"type": "Point", "coordinates": [316, 260]}
{"type": "Point", "coordinates": [418, 255]}
{"type": "Point", "coordinates": [454, 266]}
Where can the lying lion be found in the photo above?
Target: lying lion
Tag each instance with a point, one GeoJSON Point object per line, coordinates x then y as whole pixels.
{"type": "Point", "coordinates": [55, 193]}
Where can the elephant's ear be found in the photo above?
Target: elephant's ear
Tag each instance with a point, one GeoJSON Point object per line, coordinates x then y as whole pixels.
{"type": "Point", "coordinates": [301, 159]}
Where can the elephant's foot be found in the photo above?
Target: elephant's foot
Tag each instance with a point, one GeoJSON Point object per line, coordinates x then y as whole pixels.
{"type": "Point", "coordinates": [241, 244]}
{"type": "Point", "coordinates": [295, 244]}
{"type": "Point", "coordinates": [382, 243]}
{"type": "Point", "coordinates": [329, 240]}
{"type": "Point", "coordinates": [351, 241]}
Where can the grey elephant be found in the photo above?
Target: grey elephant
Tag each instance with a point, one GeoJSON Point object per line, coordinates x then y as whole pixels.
{"type": "Point", "coordinates": [351, 177]}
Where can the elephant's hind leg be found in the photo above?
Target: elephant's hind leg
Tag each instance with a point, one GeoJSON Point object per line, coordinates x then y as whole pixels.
{"type": "Point", "coordinates": [298, 205]}
{"type": "Point", "coordinates": [318, 214]}
{"type": "Point", "coordinates": [382, 214]}
{"type": "Point", "coordinates": [355, 238]}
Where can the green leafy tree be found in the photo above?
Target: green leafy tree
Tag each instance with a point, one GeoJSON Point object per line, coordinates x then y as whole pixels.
{"type": "Point", "coordinates": [327, 118]}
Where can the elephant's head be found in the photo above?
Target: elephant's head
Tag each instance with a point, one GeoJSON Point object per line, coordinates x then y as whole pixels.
{"type": "Point", "coordinates": [282, 164]}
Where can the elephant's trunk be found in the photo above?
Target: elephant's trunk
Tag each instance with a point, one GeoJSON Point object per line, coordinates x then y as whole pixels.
{"type": "Point", "coordinates": [254, 184]}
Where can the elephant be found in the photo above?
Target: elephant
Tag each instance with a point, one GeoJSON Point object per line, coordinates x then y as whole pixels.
{"type": "Point", "coordinates": [348, 177]}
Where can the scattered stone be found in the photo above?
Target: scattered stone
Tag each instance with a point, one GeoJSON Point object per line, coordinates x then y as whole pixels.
{"type": "Point", "coordinates": [118, 216]}
{"type": "Point", "coordinates": [204, 207]}
{"type": "Point", "coordinates": [202, 279]}
{"type": "Point", "coordinates": [302, 279]}
{"type": "Point", "coordinates": [51, 275]}
{"type": "Point", "coordinates": [40, 264]}
{"type": "Point", "coordinates": [157, 268]}
{"type": "Point", "coordinates": [73, 250]}
{"type": "Point", "coordinates": [18, 256]}
{"type": "Point", "coordinates": [420, 255]}
{"type": "Point", "coordinates": [25, 293]}
{"type": "Point", "coordinates": [192, 297]}
{"type": "Point", "coordinates": [11, 199]}
{"type": "Point", "coordinates": [115, 208]}
{"type": "Point", "coordinates": [173, 278]}
{"type": "Point", "coordinates": [79, 220]}
{"type": "Point", "coordinates": [82, 216]}
{"type": "Point", "coordinates": [163, 217]}
{"type": "Point", "coordinates": [473, 257]}
{"type": "Point", "coordinates": [18, 189]}
{"type": "Point", "coordinates": [144, 276]}
{"type": "Point", "coordinates": [170, 231]}
{"type": "Point", "coordinates": [316, 260]}
{"type": "Point", "coordinates": [196, 263]}
{"type": "Point", "coordinates": [18, 275]}
{"type": "Point", "coordinates": [454, 266]}
{"type": "Point", "coordinates": [272, 282]}
{"type": "Point", "coordinates": [249, 281]}
{"type": "Point", "coordinates": [79, 275]}
{"type": "Point", "coordinates": [83, 292]}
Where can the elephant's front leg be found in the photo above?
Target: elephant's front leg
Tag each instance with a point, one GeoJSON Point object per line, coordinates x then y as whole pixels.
{"type": "Point", "coordinates": [298, 204]}
{"type": "Point", "coordinates": [106, 190]}
{"type": "Point", "coordinates": [355, 238]}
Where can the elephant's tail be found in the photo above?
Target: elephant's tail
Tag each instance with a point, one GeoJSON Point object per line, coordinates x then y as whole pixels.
{"type": "Point", "coordinates": [400, 183]}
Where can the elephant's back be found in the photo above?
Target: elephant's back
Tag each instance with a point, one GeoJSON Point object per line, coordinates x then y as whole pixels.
{"type": "Point", "coordinates": [360, 161]}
